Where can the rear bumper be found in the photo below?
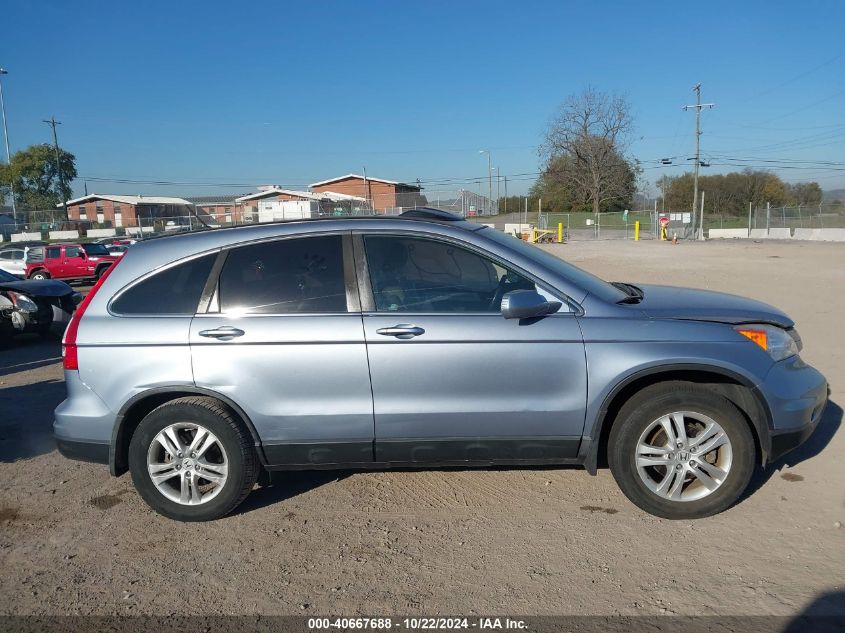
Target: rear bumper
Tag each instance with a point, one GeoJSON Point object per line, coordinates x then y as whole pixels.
{"type": "Point", "coordinates": [83, 451]}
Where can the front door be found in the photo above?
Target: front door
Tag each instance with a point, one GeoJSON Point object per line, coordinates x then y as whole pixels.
{"type": "Point", "coordinates": [283, 339]}
{"type": "Point", "coordinates": [452, 379]}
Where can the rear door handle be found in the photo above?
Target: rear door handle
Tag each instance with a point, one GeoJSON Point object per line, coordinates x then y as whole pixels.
{"type": "Point", "coordinates": [403, 331]}
{"type": "Point", "coordinates": [222, 333]}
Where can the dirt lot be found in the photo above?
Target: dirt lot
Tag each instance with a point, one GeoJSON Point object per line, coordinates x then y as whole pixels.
{"type": "Point", "coordinates": [532, 541]}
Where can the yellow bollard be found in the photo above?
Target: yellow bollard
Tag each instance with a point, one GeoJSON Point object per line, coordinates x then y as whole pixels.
{"type": "Point", "coordinates": [637, 231]}
{"type": "Point", "coordinates": [560, 232]}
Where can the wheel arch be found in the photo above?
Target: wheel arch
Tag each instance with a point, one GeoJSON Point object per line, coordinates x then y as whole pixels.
{"type": "Point", "coordinates": [137, 407]}
{"type": "Point", "coordinates": [737, 388]}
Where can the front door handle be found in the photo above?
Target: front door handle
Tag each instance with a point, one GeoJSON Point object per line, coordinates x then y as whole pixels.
{"type": "Point", "coordinates": [403, 331]}
{"type": "Point", "coordinates": [223, 333]}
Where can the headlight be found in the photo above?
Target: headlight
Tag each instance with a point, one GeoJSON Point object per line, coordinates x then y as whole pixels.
{"type": "Point", "coordinates": [777, 342]}
{"type": "Point", "coordinates": [23, 303]}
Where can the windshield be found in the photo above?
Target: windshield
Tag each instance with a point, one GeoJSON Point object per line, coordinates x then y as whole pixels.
{"type": "Point", "coordinates": [581, 278]}
{"type": "Point", "coordinates": [95, 249]}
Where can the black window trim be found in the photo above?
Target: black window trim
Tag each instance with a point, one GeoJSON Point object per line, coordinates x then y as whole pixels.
{"type": "Point", "coordinates": [368, 305]}
{"type": "Point", "coordinates": [211, 292]}
{"type": "Point", "coordinates": [147, 275]}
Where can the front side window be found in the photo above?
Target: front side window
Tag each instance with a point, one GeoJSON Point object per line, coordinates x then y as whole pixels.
{"type": "Point", "coordinates": [174, 290]}
{"type": "Point", "coordinates": [298, 275]}
{"type": "Point", "coordinates": [410, 274]}
{"type": "Point", "coordinates": [95, 249]}
{"type": "Point", "coordinates": [72, 251]}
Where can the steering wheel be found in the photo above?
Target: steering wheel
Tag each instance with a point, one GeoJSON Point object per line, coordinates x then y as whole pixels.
{"type": "Point", "coordinates": [501, 289]}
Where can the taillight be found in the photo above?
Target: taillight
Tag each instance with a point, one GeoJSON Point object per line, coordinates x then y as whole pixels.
{"type": "Point", "coordinates": [70, 358]}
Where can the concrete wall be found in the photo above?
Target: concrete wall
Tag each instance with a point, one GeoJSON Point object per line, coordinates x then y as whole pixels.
{"type": "Point", "coordinates": [25, 237]}
{"type": "Point", "coordinates": [758, 234]}
{"type": "Point", "coordinates": [820, 235]}
{"type": "Point", "coordinates": [727, 233]}
{"type": "Point", "coordinates": [780, 234]}
{"type": "Point", "coordinates": [100, 232]}
{"type": "Point", "coordinates": [64, 235]}
{"type": "Point", "coordinates": [519, 229]}
{"type": "Point", "coordinates": [134, 230]}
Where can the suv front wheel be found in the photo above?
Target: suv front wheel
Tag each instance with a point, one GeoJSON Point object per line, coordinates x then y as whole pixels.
{"type": "Point", "coordinates": [191, 460]}
{"type": "Point", "coordinates": [681, 451]}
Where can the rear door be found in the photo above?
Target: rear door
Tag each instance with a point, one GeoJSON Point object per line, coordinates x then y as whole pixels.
{"type": "Point", "coordinates": [282, 337]}
{"type": "Point", "coordinates": [452, 379]}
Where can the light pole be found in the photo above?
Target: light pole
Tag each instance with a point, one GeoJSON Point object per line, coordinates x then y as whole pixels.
{"type": "Point", "coordinates": [489, 175]}
{"type": "Point", "coordinates": [3, 71]}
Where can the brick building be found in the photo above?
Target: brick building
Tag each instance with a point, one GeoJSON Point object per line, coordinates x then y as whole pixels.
{"type": "Point", "coordinates": [222, 209]}
{"type": "Point", "coordinates": [384, 195]}
{"type": "Point", "coordinates": [125, 210]}
{"type": "Point", "coordinates": [328, 200]}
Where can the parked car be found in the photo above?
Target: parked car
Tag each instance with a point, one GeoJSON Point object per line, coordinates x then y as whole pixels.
{"type": "Point", "coordinates": [68, 261]}
{"type": "Point", "coordinates": [12, 261]}
{"type": "Point", "coordinates": [33, 306]}
{"type": "Point", "coordinates": [118, 250]}
{"type": "Point", "coordinates": [420, 340]}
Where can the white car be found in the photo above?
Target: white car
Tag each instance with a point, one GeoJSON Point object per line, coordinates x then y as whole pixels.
{"type": "Point", "coordinates": [12, 261]}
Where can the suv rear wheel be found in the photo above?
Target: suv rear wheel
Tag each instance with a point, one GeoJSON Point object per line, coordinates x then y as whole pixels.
{"type": "Point", "coordinates": [681, 451]}
{"type": "Point", "coordinates": [191, 460]}
{"type": "Point", "coordinates": [40, 274]}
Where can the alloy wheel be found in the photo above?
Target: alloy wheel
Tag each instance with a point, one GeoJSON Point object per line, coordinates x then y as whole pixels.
{"type": "Point", "coordinates": [187, 463]}
{"type": "Point", "coordinates": [683, 456]}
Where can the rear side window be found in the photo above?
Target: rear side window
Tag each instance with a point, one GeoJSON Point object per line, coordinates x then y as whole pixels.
{"type": "Point", "coordinates": [175, 290]}
{"type": "Point", "coordinates": [287, 276]}
{"type": "Point", "coordinates": [53, 252]}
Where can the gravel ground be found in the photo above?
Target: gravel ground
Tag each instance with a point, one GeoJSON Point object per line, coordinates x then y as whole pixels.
{"type": "Point", "coordinates": [74, 540]}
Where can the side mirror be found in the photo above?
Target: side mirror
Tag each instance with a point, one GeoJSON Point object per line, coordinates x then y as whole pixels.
{"type": "Point", "coordinates": [527, 304]}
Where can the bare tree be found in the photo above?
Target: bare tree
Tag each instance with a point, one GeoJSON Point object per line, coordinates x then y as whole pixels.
{"type": "Point", "coordinates": [591, 132]}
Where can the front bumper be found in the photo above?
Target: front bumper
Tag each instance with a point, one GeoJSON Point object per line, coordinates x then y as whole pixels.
{"type": "Point", "coordinates": [797, 395]}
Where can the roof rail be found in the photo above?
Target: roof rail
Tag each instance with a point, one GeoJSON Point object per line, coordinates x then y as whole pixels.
{"type": "Point", "coordinates": [429, 213]}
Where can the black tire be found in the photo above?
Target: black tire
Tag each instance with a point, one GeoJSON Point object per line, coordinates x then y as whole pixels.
{"type": "Point", "coordinates": [40, 274]}
{"type": "Point", "coordinates": [243, 465]}
{"type": "Point", "coordinates": [657, 401]}
{"type": "Point", "coordinates": [100, 271]}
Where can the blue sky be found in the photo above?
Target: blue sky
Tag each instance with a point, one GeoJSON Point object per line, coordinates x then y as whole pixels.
{"type": "Point", "coordinates": [217, 94]}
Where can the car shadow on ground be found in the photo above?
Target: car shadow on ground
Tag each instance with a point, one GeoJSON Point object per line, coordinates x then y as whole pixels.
{"type": "Point", "coordinates": [283, 485]}
{"type": "Point", "coordinates": [26, 423]}
{"type": "Point", "coordinates": [826, 613]}
{"type": "Point", "coordinates": [829, 424]}
{"type": "Point", "coordinates": [29, 351]}
{"type": "Point", "coordinates": [26, 410]}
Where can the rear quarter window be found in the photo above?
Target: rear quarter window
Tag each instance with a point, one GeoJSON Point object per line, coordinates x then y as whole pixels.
{"type": "Point", "coordinates": [174, 290]}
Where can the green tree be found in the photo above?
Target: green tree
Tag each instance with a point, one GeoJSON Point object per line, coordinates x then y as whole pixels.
{"type": "Point", "coordinates": [584, 152]}
{"type": "Point", "coordinates": [33, 175]}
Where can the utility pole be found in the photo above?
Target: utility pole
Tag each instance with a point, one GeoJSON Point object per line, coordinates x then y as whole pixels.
{"type": "Point", "coordinates": [701, 230]}
{"type": "Point", "coordinates": [3, 71]}
{"type": "Point", "coordinates": [489, 177]}
{"type": "Point", "coordinates": [506, 194]}
{"type": "Point", "coordinates": [53, 123]}
{"type": "Point", "coordinates": [698, 105]}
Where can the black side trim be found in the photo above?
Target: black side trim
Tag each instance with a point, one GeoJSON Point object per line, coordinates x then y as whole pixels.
{"type": "Point", "coordinates": [315, 454]}
{"type": "Point", "coordinates": [478, 450]}
{"type": "Point", "coordinates": [83, 451]}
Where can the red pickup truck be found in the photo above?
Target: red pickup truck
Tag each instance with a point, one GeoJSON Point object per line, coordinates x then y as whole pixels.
{"type": "Point", "coordinates": [67, 261]}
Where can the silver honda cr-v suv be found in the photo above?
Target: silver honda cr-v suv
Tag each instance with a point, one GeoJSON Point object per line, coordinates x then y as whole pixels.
{"type": "Point", "coordinates": [419, 340]}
